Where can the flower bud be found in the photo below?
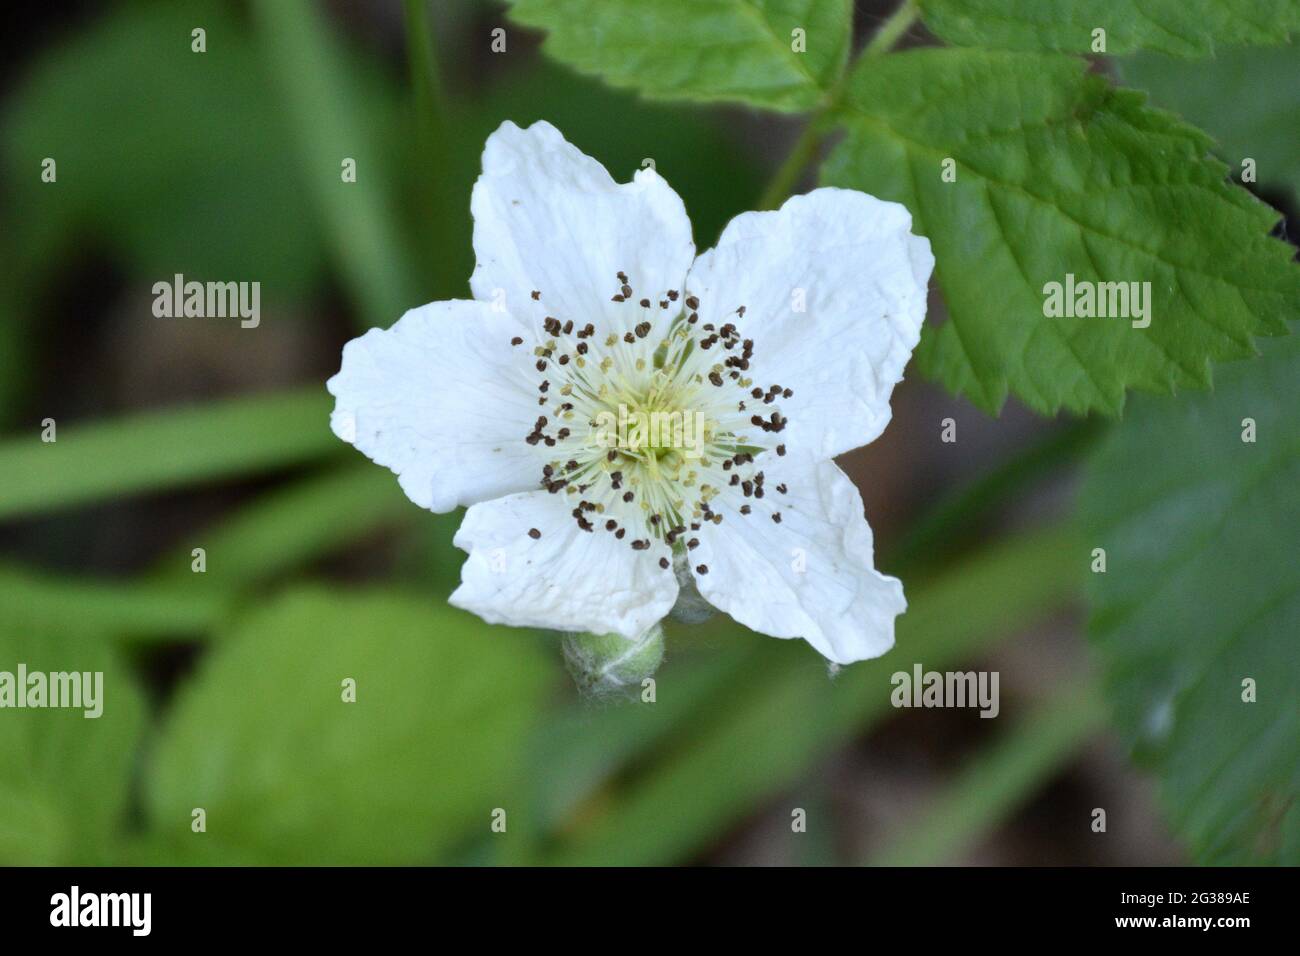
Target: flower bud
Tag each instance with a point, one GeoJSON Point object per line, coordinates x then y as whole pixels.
{"type": "Point", "coordinates": [610, 663]}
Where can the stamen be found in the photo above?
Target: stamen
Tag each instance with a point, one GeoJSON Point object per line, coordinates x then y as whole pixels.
{"type": "Point", "coordinates": [653, 480]}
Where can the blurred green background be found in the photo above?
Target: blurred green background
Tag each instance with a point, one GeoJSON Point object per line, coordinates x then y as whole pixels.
{"type": "Point", "coordinates": [223, 688]}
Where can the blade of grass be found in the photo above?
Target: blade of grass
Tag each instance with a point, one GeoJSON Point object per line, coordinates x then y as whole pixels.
{"type": "Point", "coordinates": [135, 611]}
{"type": "Point", "coordinates": [998, 781]}
{"type": "Point", "coordinates": [315, 82]}
{"type": "Point", "coordinates": [291, 526]}
{"type": "Point", "coordinates": [164, 449]}
{"type": "Point", "coordinates": [447, 257]}
{"type": "Point", "coordinates": [282, 530]}
{"type": "Point", "coordinates": [953, 520]}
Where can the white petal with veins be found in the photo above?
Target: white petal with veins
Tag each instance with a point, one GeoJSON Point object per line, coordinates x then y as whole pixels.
{"type": "Point", "coordinates": [443, 400]}
{"type": "Point", "coordinates": [563, 578]}
{"type": "Point", "coordinates": [833, 285]}
{"type": "Point", "coordinates": [811, 575]}
{"type": "Point", "coordinates": [549, 219]}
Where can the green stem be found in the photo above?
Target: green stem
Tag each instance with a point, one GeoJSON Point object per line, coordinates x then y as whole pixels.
{"type": "Point", "coordinates": [787, 176]}
{"type": "Point", "coordinates": [892, 30]}
{"type": "Point", "coordinates": [810, 141]}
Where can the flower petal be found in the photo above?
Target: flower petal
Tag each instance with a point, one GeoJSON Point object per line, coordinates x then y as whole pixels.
{"type": "Point", "coordinates": [565, 579]}
{"type": "Point", "coordinates": [551, 220]}
{"type": "Point", "coordinates": [441, 399]}
{"type": "Point", "coordinates": [809, 576]}
{"type": "Point", "coordinates": [834, 290]}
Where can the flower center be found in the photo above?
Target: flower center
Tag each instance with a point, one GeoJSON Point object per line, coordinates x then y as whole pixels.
{"type": "Point", "coordinates": [648, 423]}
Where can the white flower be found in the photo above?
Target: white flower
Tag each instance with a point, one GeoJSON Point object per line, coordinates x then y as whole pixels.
{"type": "Point", "coordinates": [784, 342]}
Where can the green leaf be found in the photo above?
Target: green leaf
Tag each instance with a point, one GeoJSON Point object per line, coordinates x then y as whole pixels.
{"type": "Point", "coordinates": [155, 450]}
{"type": "Point", "coordinates": [1246, 99]}
{"type": "Point", "coordinates": [701, 49]}
{"type": "Point", "coordinates": [1058, 173]}
{"type": "Point", "coordinates": [64, 777]}
{"type": "Point", "coordinates": [1180, 27]}
{"type": "Point", "coordinates": [1201, 591]}
{"type": "Point", "coordinates": [288, 772]}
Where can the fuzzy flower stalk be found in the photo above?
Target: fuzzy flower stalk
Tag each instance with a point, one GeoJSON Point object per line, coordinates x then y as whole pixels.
{"type": "Point", "coordinates": [634, 428]}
